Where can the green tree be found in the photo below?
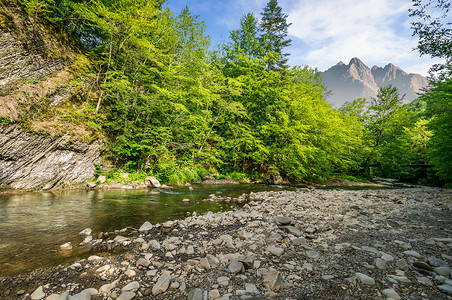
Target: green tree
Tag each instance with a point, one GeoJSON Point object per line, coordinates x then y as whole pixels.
{"type": "Point", "coordinates": [433, 27]}
{"type": "Point", "coordinates": [274, 27]}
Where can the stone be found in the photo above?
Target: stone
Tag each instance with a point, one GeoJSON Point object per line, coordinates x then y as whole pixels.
{"type": "Point", "coordinates": [275, 250]}
{"type": "Point", "coordinates": [152, 182]}
{"type": "Point", "coordinates": [91, 185]}
{"type": "Point", "coordinates": [94, 258]}
{"type": "Point", "coordinates": [235, 266]}
{"type": "Point", "coordinates": [38, 294]}
{"type": "Point", "coordinates": [310, 230]}
{"type": "Point", "coordinates": [436, 262]}
{"type": "Point", "coordinates": [386, 257]}
{"type": "Point", "coordinates": [251, 289]}
{"type": "Point", "coordinates": [365, 279]}
{"type": "Point", "coordinates": [126, 296]}
{"type": "Point", "coordinates": [195, 294]}
{"type": "Point", "coordinates": [300, 242]}
{"type": "Point", "coordinates": [120, 239]}
{"type": "Point", "coordinates": [134, 285]}
{"type": "Point", "coordinates": [443, 271]}
{"type": "Point", "coordinates": [213, 261]}
{"type": "Point", "coordinates": [425, 281]}
{"type": "Point", "coordinates": [66, 246]}
{"type": "Point", "coordinates": [145, 227]}
{"type": "Point", "coordinates": [162, 284]}
{"type": "Point", "coordinates": [214, 294]}
{"type": "Point", "coordinates": [101, 179]}
{"type": "Point", "coordinates": [390, 293]}
{"type": "Point", "coordinates": [190, 250]}
{"type": "Point", "coordinates": [422, 265]}
{"type": "Point", "coordinates": [273, 280]}
{"type": "Point", "coordinates": [86, 232]}
{"type": "Point", "coordinates": [223, 281]}
{"type": "Point", "coordinates": [312, 254]}
{"type": "Point", "coordinates": [186, 200]}
{"type": "Point", "coordinates": [154, 245]}
{"type": "Point", "coordinates": [445, 288]}
{"type": "Point", "coordinates": [106, 288]}
{"type": "Point", "coordinates": [64, 296]}
{"type": "Point", "coordinates": [280, 220]}
{"type": "Point", "coordinates": [80, 296]}
{"type": "Point", "coordinates": [380, 264]}
{"type": "Point", "coordinates": [91, 291]}
{"type": "Point", "coordinates": [130, 273]}
{"type": "Point", "coordinates": [204, 262]}
{"type": "Point", "coordinates": [53, 297]}
{"type": "Point", "coordinates": [293, 230]}
{"type": "Point", "coordinates": [412, 253]}
{"type": "Point", "coordinates": [401, 264]}
{"type": "Point", "coordinates": [143, 262]}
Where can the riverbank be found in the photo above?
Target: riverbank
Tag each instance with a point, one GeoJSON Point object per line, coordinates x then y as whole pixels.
{"type": "Point", "coordinates": [307, 244]}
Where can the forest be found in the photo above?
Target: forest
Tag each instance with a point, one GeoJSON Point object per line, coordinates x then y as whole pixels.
{"type": "Point", "coordinates": [169, 104]}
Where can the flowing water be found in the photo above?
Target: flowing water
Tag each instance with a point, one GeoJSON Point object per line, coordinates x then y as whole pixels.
{"type": "Point", "coordinates": [34, 225]}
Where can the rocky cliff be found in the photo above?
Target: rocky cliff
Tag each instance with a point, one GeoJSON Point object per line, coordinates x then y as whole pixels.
{"type": "Point", "coordinates": [356, 80]}
{"type": "Point", "coordinates": [37, 93]}
{"type": "Point", "coordinates": [30, 161]}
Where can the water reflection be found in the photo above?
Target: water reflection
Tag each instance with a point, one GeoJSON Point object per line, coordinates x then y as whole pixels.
{"type": "Point", "coordinates": [33, 225]}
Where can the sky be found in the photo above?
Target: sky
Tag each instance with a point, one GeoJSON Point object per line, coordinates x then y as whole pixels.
{"type": "Point", "coordinates": [324, 32]}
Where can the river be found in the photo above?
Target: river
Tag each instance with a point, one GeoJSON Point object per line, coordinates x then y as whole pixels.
{"type": "Point", "coordinates": [33, 225]}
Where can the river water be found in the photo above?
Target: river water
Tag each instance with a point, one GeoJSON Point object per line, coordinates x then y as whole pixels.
{"type": "Point", "coordinates": [34, 225]}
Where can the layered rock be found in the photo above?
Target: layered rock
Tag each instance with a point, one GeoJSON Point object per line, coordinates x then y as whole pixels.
{"type": "Point", "coordinates": [30, 161]}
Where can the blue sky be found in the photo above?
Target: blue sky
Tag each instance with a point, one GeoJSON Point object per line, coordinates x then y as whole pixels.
{"type": "Point", "coordinates": [324, 32]}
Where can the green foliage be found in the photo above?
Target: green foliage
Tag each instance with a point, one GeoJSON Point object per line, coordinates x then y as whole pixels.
{"type": "Point", "coordinates": [5, 120]}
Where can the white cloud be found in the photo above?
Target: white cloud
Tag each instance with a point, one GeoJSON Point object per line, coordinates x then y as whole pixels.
{"type": "Point", "coordinates": [376, 31]}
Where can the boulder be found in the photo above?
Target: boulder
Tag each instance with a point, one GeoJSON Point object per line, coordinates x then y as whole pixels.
{"type": "Point", "coordinates": [152, 182]}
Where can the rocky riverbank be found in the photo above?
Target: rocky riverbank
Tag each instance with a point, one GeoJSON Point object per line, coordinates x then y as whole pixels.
{"type": "Point", "coordinates": [307, 244]}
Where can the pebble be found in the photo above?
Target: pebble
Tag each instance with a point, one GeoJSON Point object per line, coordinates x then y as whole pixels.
{"type": "Point", "coordinates": [280, 220]}
{"type": "Point", "coordinates": [273, 280]}
{"type": "Point", "coordinates": [195, 294]}
{"type": "Point", "coordinates": [412, 253]}
{"type": "Point", "coordinates": [162, 284]}
{"type": "Point", "coordinates": [235, 266]}
{"type": "Point", "coordinates": [126, 296]}
{"type": "Point", "coordinates": [80, 296]}
{"type": "Point", "coordinates": [445, 288]}
{"type": "Point", "coordinates": [443, 271]}
{"type": "Point", "coordinates": [134, 285]}
{"type": "Point", "coordinates": [275, 250]}
{"type": "Point", "coordinates": [38, 294]}
{"type": "Point", "coordinates": [145, 227]}
{"type": "Point", "coordinates": [223, 281]}
{"type": "Point", "coordinates": [381, 264]}
{"type": "Point", "coordinates": [390, 293]}
{"type": "Point", "coordinates": [312, 254]}
{"type": "Point", "coordinates": [365, 279]}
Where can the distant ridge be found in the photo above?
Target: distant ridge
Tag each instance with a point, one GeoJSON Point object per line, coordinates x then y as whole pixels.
{"type": "Point", "coordinates": [356, 80]}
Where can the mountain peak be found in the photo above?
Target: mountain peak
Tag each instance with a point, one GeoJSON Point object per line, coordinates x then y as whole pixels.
{"type": "Point", "coordinates": [355, 61]}
{"type": "Point", "coordinates": [356, 80]}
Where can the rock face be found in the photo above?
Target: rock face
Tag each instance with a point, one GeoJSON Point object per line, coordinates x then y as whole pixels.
{"type": "Point", "coordinates": [356, 80]}
{"type": "Point", "coordinates": [29, 161]}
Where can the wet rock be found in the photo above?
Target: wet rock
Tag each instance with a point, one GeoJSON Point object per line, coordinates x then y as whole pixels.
{"type": "Point", "coordinates": [162, 284]}
{"type": "Point", "coordinates": [86, 232]}
{"type": "Point", "coordinates": [66, 246]}
{"type": "Point", "coordinates": [273, 280]}
{"type": "Point", "coordinates": [38, 294]}
{"type": "Point", "coordinates": [365, 279]}
{"type": "Point", "coordinates": [145, 227]}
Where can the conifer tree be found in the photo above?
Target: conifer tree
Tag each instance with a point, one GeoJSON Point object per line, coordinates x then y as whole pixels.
{"type": "Point", "coordinates": [274, 29]}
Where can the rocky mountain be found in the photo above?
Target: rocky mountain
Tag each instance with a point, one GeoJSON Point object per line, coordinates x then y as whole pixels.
{"type": "Point", "coordinates": [356, 80]}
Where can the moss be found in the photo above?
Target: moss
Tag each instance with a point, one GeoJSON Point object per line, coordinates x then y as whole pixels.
{"type": "Point", "coordinates": [6, 20]}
